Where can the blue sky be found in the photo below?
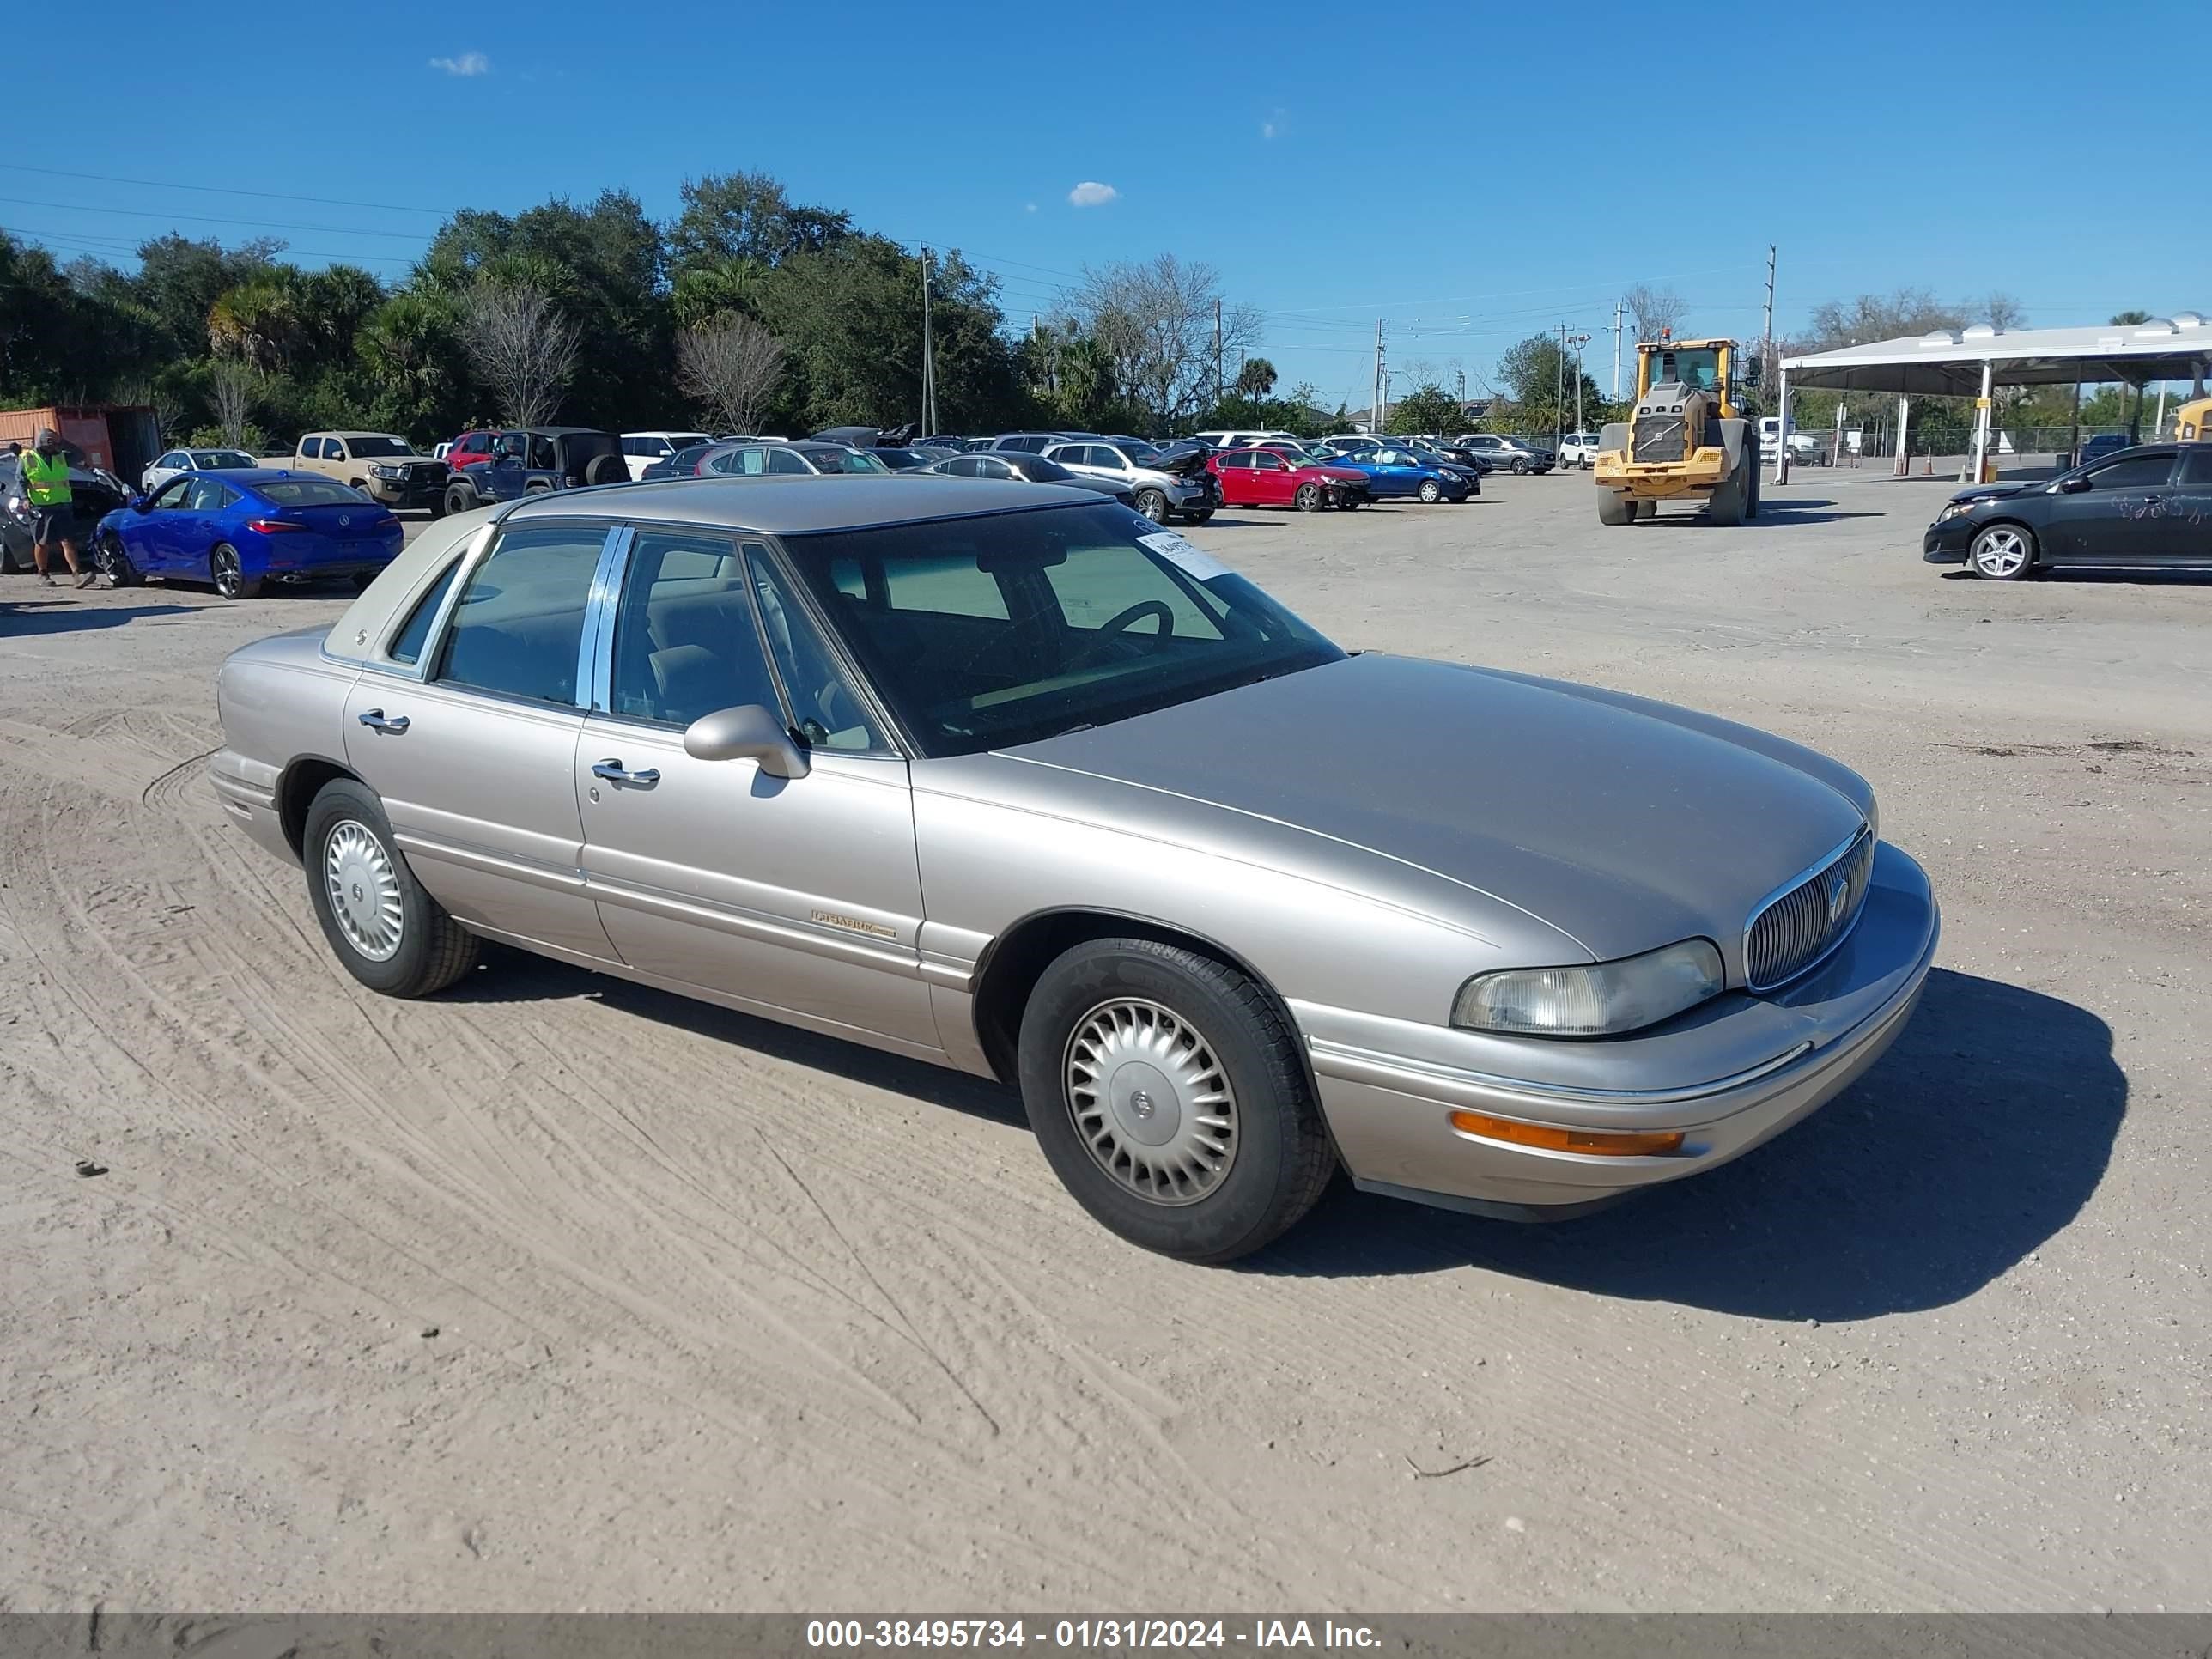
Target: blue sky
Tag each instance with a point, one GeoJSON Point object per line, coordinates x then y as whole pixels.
{"type": "Point", "coordinates": [1470, 174]}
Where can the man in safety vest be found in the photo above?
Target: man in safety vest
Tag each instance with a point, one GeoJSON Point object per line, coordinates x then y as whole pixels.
{"type": "Point", "coordinates": [44, 475]}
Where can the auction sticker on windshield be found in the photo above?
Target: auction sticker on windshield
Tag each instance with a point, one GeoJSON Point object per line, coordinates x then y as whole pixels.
{"type": "Point", "coordinates": [1184, 555]}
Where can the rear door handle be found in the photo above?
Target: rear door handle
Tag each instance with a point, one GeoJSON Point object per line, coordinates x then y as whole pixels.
{"type": "Point", "coordinates": [613, 771]}
{"type": "Point", "coordinates": [374, 721]}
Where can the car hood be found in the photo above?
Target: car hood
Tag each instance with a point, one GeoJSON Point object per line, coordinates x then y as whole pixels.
{"type": "Point", "coordinates": [1334, 471]}
{"type": "Point", "coordinates": [1181, 459]}
{"type": "Point", "coordinates": [1989, 492]}
{"type": "Point", "coordinates": [1625, 823]}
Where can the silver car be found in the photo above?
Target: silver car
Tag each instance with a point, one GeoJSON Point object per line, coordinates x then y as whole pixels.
{"type": "Point", "coordinates": [1004, 779]}
{"type": "Point", "coordinates": [170, 462]}
{"type": "Point", "coordinates": [1162, 491]}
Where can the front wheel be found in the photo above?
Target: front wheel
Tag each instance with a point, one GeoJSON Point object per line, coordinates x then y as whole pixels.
{"type": "Point", "coordinates": [1614, 509]}
{"type": "Point", "coordinates": [1166, 1091]}
{"type": "Point", "coordinates": [109, 559]}
{"type": "Point", "coordinates": [1153, 505]}
{"type": "Point", "coordinates": [228, 574]}
{"type": "Point", "coordinates": [1431, 492]}
{"type": "Point", "coordinates": [1520, 465]}
{"type": "Point", "coordinates": [2002, 553]}
{"type": "Point", "coordinates": [459, 498]}
{"type": "Point", "coordinates": [383, 926]}
{"type": "Point", "coordinates": [1309, 498]}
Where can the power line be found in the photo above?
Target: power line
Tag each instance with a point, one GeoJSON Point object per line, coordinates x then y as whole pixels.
{"type": "Point", "coordinates": [209, 219]}
{"type": "Point", "coordinates": [229, 190]}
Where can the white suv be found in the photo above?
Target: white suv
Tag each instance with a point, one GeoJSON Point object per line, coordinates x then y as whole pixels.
{"type": "Point", "coordinates": [642, 449]}
{"type": "Point", "coordinates": [1578, 449]}
{"type": "Point", "coordinates": [1160, 494]}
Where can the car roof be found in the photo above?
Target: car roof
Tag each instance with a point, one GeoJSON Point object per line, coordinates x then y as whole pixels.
{"type": "Point", "coordinates": [357, 432]}
{"type": "Point", "coordinates": [791, 505]}
{"type": "Point", "coordinates": [261, 475]}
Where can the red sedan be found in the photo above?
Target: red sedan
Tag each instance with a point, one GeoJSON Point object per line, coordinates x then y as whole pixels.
{"type": "Point", "coordinates": [1276, 477]}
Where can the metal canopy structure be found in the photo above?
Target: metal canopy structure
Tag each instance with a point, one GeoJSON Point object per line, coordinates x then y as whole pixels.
{"type": "Point", "coordinates": [1973, 362]}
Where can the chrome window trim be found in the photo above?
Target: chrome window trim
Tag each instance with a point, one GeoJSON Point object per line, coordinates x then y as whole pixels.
{"type": "Point", "coordinates": [595, 648]}
{"type": "Point", "coordinates": [1757, 911]}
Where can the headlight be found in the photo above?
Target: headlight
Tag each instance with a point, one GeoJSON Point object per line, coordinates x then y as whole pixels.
{"type": "Point", "coordinates": [1955, 510]}
{"type": "Point", "coordinates": [384, 471]}
{"type": "Point", "coordinates": [1600, 1000]}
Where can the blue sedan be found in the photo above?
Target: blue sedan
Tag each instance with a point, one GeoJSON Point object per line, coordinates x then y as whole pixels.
{"type": "Point", "coordinates": [239, 529]}
{"type": "Point", "coordinates": [1392, 471]}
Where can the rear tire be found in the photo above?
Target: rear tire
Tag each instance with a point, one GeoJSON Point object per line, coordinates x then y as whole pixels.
{"type": "Point", "coordinates": [228, 574]}
{"type": "Point", "coordinates": [383, 926]}
{"type": "Point", "coordinates": [1167, 1092]}
{"type": "Point", "coordinates": [1647, 510]}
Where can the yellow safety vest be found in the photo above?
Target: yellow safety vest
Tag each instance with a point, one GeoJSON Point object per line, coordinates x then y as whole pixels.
{"type": "Point", "coordinates": [45, 482]}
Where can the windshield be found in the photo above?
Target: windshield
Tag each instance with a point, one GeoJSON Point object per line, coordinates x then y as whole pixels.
{"type": "Point", "coordinates": [1700, 368]}
{"type": "Point", "coordinates": [208, 459]}
{"type": "Point", "coordinates": [378, 444]}
{"type": "Point", "coordinates": [989, 632]}
{"type": "Point", "coordinates": [309, 492]}
{"type": "Point", "coordinates": [1136, 450]}
{"type": "Point", "coordinates": [1037, 470]}
{"type": "Point", "coordinates": [845, 460]}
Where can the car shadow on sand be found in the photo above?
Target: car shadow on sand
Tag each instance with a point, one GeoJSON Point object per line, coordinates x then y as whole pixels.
{"type": "Point", "coordinates": [2085, 576]}
{"type": "Point", "coordinates": [24, 618]}
{"type": "Point", "coordinates": [1980, 1134]}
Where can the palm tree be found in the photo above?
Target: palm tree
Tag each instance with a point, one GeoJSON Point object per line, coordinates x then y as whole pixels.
{"type": "Point", "coordinates": [1256, 378]}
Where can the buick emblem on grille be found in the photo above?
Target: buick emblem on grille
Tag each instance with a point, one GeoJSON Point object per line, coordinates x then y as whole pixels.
{"type": "Point", "coordinates": [1839, 897]}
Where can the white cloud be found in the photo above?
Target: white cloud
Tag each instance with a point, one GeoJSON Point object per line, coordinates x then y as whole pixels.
{"type": "Point", "coordinates": [469, 63]}
{"type": "Point", "coordinates": [1031, 208]}
{"type": "Point", "coordinates": [1275, 125]}
{"type": "Point", "coordinates": [1267, 129]}
{"type": "Point", "coordinates": [1090, 193]}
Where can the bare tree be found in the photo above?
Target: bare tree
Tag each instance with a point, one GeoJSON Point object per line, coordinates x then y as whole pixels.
{"type": "Point", "coordinates": [730, 364]}
{"type": "Point", "coordinates": [521, 347]}
{"type": "Point", "coordinates": [1653, 308]}
{"type": "Point", "coordinates": [1156, 321]}
{"type": "Point", "coordinates": [232, 384]}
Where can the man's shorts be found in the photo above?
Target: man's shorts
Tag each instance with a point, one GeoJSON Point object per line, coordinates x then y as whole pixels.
{"type": "Point", "coordinates": [50, 525]}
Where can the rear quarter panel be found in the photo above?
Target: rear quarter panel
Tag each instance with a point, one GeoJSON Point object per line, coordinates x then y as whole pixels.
{"type": "Point", "coordinates": [281, 702]}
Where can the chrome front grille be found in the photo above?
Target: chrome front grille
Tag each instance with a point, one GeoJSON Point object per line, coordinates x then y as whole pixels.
{"type": "Point", "coordinates": [1805, 923]}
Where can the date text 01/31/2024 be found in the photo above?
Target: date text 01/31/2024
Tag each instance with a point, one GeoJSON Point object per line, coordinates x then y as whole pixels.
{"type": "Point", "coordinates": [831, 1634]}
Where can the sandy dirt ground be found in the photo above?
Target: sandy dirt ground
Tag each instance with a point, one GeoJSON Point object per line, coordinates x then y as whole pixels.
{"type": "Point", "coordinates": [555, 1293]}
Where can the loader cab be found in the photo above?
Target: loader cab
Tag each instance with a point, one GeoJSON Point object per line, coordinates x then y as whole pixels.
{"type": "Point", "coordinates": [1708, 366]}
{"type": "Point", "coordinates": [2192, 422]}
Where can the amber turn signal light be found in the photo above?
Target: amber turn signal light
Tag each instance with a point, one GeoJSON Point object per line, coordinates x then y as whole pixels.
{"type": "Point", "coordinates": [1603, 1142]}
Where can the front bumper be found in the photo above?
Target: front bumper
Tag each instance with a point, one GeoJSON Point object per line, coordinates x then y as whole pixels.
{"type": "Point", "coordinates": [399, 492]}
{"type": "Point", "coordinates": [1730, 1076]}
{"type": "Point", "coordinates": [1700, 472]}
{"type": "Point", "coordinates": [1947, 542]}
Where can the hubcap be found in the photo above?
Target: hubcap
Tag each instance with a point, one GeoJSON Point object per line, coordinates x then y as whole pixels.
{"type": "Point", "coordinates": [364, 890]}
{"type": "Point", "coordinates": [226, 571]}
{"type": "Point", "coordinates": [2002, 552]}
{"type": "Point", "coordinates": [1151, 1101]}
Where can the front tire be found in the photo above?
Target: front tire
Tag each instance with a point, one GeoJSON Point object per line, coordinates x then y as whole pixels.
{"type": "Point", "coordinates": [1167, 1093]}
{"type": "Point", "coordinates": [383, 926]}
{"type": "Point", "coordinates": [1519, 466]}
{"type": "Point", "coordinates": [2002, 553]}
{"type": "Point", "coordinates": [1153, 505]}
{"type": "Point", "coordinates": [1309, 498]}
{"type": "Point", "coordinates": [1431, 492]}
{"type": "Point", "coordinates": [1614, 509]}
{"type": "Point", "coordinates": [109, 559]}
{"type": "Point", "coordinates": [229, 574]}
{"type": "Point", "coordinates": [459, 498]}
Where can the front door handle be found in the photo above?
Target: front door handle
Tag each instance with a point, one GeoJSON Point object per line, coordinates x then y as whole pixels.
{"type": "Point", "coordinates": [374, 721]}
{"type": "Point", "coordinates": [613, 771]}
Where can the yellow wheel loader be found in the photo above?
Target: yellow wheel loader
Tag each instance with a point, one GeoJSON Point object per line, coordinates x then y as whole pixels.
{"type": "Point", "coordinates": [2192, 422]}
{"type": "Point", "coordinates": [1691, 439]}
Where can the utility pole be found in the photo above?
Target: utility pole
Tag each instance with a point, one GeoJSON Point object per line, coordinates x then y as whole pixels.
{"type": "Point", "coordinates": [1581, 340]}
{"type": "Point", "coordinates": [1220, 392]}
{"type": "Point", "coordinates": [1617, 308]}
{"type": "Point", "coordinates": [1559, 398]}
{"type": "Point", "coordinates": [928, 356]}
{"type": "Point", "coordinates": [1376, 393]}
{"type": "Point", "coordinates": [1767, 329]}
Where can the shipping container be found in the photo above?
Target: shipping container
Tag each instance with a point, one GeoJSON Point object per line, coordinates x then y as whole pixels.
{"type": "Point", "coordinates": [122, 438]}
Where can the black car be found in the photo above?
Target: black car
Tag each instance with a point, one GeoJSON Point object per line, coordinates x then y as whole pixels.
{"type": "Point", "coordinates": [527, 461]}
{"type": "Point", "coordinates": [681, 464]}
{"type": "Point", "coordinates": [94, 494]}
{"type": "Point", "coordinates": [1020, 466]}
{"type": "Point", "coordinates": [2101, 445]}
{"type": "Point", "coordinates": [2150, 505]}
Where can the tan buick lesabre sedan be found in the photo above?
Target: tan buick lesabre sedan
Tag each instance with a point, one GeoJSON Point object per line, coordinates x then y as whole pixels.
{"type": "Point", "coordinates": [1006, 777]}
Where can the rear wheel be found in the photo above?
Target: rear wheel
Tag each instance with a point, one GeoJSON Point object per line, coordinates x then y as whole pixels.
{"type": "Point", "coordinates": [536, 487]}
{"type": "Point", "coordinates": [1647, 509]}
{"type": "Point", "coordinates": [228, 574]}
{"type": "Point", "coordinates": [381, 924]}
{"type": "Point", "coordinates": [1309, 498]}
{"type": "Point", "coordinates": [2002, 553]}
{"type": "Point", "coordinates": [1166, 1091]}
{"type": "Point", "coordinates": [109, 559]}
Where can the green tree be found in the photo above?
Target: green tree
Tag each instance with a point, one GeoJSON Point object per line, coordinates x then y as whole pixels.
{"type": "Point", "coordinates": [1543, 386]}
{"type": "Point", "coordinates": [745, 218]}
{"type": "Point", "coordinates": [2130, 318]}
{"type": "Point", "coordinates": [1430, 407]}
{"type": "Point", "coordinates": [1256, 378]}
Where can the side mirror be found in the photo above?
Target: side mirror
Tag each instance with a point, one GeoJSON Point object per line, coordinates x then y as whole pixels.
{"type": "Point", "coordinates": [747, 731]}
{"type": "Point", "coordinates": [1753, 372]}
{"type": "Point", "coordinates": [2075, 485]}
{"type": "Point", "coordinates": [140, 504]}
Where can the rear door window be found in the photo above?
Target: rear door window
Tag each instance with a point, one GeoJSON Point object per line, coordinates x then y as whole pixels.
{"type": "Point", "coordinates": [520, 620]}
